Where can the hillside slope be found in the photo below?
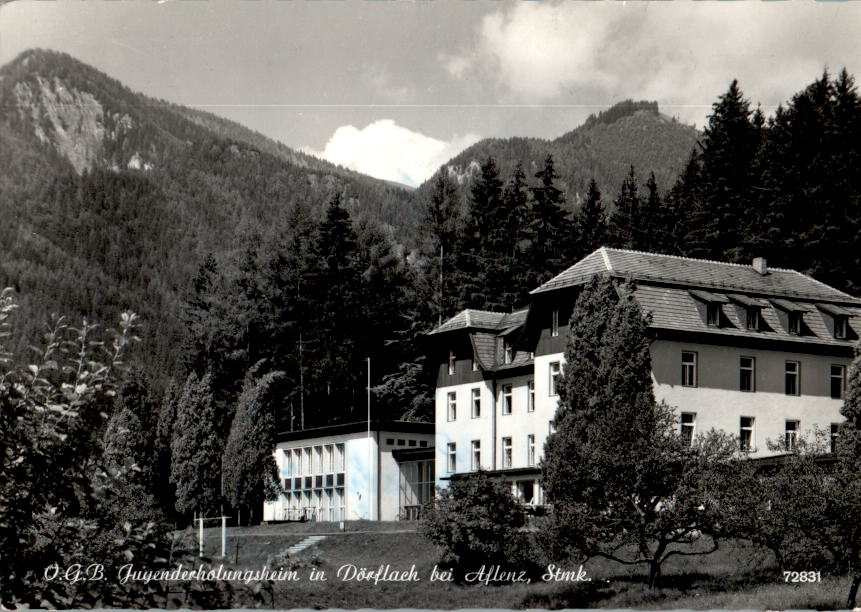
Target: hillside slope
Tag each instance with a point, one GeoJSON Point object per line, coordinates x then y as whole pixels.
{"type": "Point", "coordinates": [604, 147]}
{"type": "Point", "coordinates": [111, 199]}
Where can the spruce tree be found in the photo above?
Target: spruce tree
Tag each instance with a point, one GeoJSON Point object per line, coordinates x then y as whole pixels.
{"type": "Point", "coordinates": [622, 483]}
{"type": "Point", "coordinates": [550, 231]}
{"type": "Point", "coordinates": [729, 147]}
{"type": "Point", "coordinates": [627, 214]}
{"type": "Point", "coordinates": [590, 223]}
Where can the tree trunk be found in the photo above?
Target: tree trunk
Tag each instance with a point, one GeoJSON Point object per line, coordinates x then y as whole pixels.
{"type": "Point", "coordinates": [853, 590]}
{"type": "Point", "coordinates": [654, 573]}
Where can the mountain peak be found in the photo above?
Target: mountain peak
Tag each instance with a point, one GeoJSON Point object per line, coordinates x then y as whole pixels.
{"type": "Point", "coordinates": [620, 110]}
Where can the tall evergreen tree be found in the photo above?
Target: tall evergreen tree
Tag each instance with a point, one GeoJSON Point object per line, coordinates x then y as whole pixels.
{"type": "Point", "coordinates": [195, 449]}
{"type": "Point", "coordinates": [481, 234]}
{"type": "Point", "coordinates": [250, 472]}
{"type": "Point", "coordinates": [627, 214]}
{"type": "Point", "coordinates": [590, 223]}
{"type": "Point", "coordinates": [550, 231]}
{"type": "Point", "coordinates": [623, 485]}
{"type": "Point", "coordinates": [727, 179]}
{"type": "Point", "coordinates": [443, 227]}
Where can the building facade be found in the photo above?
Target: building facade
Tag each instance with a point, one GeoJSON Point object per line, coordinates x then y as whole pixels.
{"type": "Point", "coordinates": [381, 471]}
{"type": "Point", "coordinates": [760, 353]}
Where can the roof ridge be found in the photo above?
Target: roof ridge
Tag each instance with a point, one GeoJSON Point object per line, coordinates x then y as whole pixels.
{"type": "Point", "coordinates": [819, 282]}
{"type": "Point", "coordinates": [715, 261]}
{"type": "Point", "coordinates": [488, 311]}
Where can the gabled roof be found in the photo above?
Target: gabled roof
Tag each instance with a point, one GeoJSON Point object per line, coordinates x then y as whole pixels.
{"type": "Point", "coordinates": [483, 319]}
{"type": "Point", "coordinates": [695, 273]}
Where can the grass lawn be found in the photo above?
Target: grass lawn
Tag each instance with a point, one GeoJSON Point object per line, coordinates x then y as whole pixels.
{"type": "Point", "coordinates": [737, 576]}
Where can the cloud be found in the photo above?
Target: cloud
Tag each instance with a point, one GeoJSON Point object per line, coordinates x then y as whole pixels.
{"type": "Point", "coordinates": [682, 54]}
{"type": "Point", "coordinates": [385, 150]}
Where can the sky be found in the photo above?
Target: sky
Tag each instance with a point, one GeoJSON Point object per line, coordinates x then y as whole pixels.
{"type": "Point", "coordinates": [394, 88]}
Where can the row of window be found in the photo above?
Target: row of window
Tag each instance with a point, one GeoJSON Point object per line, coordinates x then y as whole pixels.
{"type": "Point", "coordinates": [794, 320]}
{"type": "Point", "coordinates": [506, 445]}
{"type": "Point", "coordinates": [310, 460]}
{"type": "Point", "coordinates": [505, 396]}
{"type": "Point", "coordinates": [401, 442]}
{"type": "Point", "coordinates": [747, 375]}
{"type": "Point", "coordinates": [320, 505]}
{"type": "Point", "coordinates": [746, 432]}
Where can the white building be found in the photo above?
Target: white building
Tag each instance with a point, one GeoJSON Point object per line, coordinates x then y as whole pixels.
{"type": "Point", "coordinates": [760, 353]}
{"type": "Point", "coordinates": [351, 471]}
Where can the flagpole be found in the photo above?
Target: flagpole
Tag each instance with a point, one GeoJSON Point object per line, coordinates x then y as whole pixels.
{"type": "Point", "coordinates": [370, 464]}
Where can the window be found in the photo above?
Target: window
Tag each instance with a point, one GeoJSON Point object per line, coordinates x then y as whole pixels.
{"type": "Point", "coordinates": [330, 458]}
{"type": "Point", "coordinates": [476, 455]}
{"type": "Point", "coordinates": [745, 434]}
{"type": "Point", "coordinates": [838, 381]}
{"type": "Point", "coordinates": [555, 371]}
{"type": "Point", "coordinates": [474, 364]}
{"type": "Point", "coordinates": [402, 442]}
{"type": "Point", "coordinates": [841, 327]}
{"type": "Point", "coordinates": [452, 406]}
{"type": "Point", "coordinates": [554, 323]}
{"type": "Point", "coordinates": [795, 323]}
{"type": "Point", "coordinates": [713, 314]}
{"type": "Point", "coordinates": [452, 457]}
{"type": "Point", "coordinates": [476, 403]}
{"type": "Point", "coordinates": [530, 449]}
{"type": "Point", "coordinates": [689, 369]}
{"type": "Point", "coordinates": [747, 374]}
{"type": "Point", "coordinates": [506, 452]}
{"type": "Point", "coordinates": [339, 460]}
{"type": "Point", "coordinates": [793, 378]}
{"type": "Point", "coordinates": [505, 399]}
{"type": "Point", "coordinates": [688, 429]}
{"type": "Point", "coordinates": [790, 438]}
{"type": "Point", "coordinates": [834, 436]}
{"type": "Point", "coordinates": [530, 398]}
{"type": "Point", "coordinates": [452, 367]}
{"type": "Point", "coordinates": [753, 316]}
{"type": "Point", "coordinates": [508, 352]}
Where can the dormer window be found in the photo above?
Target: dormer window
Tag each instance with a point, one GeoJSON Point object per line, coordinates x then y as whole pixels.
{"type": "Point", "coordinates": [795, 323]}
{"type": "Point", "coordinates": [712, 303]}
{"type": "Point", "coordinates": [839, 318]}
{"type": "Point", "coordinates": [508, 353]}
{"type": "Point", "coordinates": [712, 314]}
{"type": "Point", "coordinates": [841, 327]}
{"type": "Point", "coordinates": [554, 323]}
{"type": "Point", "coordinates": [452, 367]}
{"type": "Point", "coordinates": [753, 318]}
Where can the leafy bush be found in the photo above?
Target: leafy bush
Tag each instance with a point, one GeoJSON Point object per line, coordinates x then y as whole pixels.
{"type": "Point", "coordinates": [476, 521]}
{"type": "Point", "coordinates": [59, 503]}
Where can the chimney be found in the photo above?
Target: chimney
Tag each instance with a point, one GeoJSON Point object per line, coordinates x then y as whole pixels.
{"type": "Point", "coordinates": [760, 265]}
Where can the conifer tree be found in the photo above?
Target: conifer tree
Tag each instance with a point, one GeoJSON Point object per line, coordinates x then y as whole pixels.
{"type": "Point", "coordinates": [622, 483]}
{"type": "Point", "coordinates": [590, 223]}
{"type": "Point", "coordinates": [481, 234]}
{"type": "Point", "coordinates": [627, 216]}
{"type": "Point", "coordinates": [727, 179]}
{"type": "Point", "coordinates": [550, 230]}
{"type": "Point", "coordinates": [195, 449]}
{"type": "Point", "coordinates": [250, 472]}
{"type": "Point", "coordinates": [443, 225]}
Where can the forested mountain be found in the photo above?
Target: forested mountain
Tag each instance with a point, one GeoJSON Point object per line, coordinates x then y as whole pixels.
{"type": "Point", "coordinates": [111, 199]}
{"type": "Point", "coordinates": [603, 148]}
